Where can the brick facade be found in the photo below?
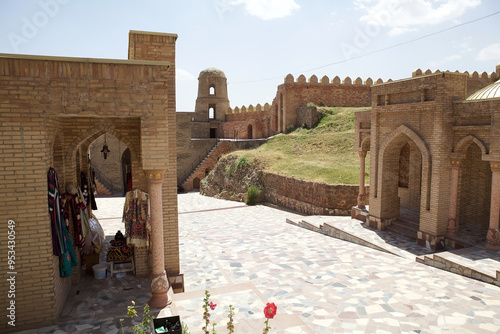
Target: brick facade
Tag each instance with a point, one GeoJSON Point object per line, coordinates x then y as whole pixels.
{"type": "Point", "coordinates": [429, 116]}
{"type": "Point", "coordinates": [51, 110]}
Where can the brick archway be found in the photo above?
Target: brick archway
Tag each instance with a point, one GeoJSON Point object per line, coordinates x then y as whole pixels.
{"type": "Point", "coordinates": [388, 177]}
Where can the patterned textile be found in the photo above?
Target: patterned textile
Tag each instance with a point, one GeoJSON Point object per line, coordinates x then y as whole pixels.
{"type": "Point", "coordinates": [67, 260]}
{"type": "Point", "coordinates": [136, 218]}
{"type": "Point", "coordinates": [118, 252]}
{"type": "Point", "coordinates": [62, 245]}
{"type": "Point", "coordinates": [56, 213]}
{"type": "Point", "coordinates": [72, 213]}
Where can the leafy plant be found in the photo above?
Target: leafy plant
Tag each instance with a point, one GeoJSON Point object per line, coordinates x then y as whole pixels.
{"type": "Point", "coordinates": [242, 162]}
{"type": "Point", "coordinates": [185, 328]}
{"type": "Point", "coordinates": [253, 193]}
{"type": "Point", "coordinates": [289, 129]}
{"type": "Point", "coordinates": [269, 313]}
{"type": "Point", "coordinates": [145, 326]}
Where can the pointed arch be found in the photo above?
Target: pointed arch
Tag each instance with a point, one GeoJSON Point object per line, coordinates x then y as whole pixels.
{"type": "Point", "coordinates": [392, 145]}
{"type": "Point", "coordinates": [89, 135]}
{"type": "Point", "coordinates": [460, 148]}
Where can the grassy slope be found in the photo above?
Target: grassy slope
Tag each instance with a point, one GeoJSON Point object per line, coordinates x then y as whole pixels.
{"type": "Point", "coordinates": [323, 154]}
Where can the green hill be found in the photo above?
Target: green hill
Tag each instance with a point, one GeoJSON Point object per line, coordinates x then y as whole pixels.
{"type": "Point", "coordinates": [324, 153]}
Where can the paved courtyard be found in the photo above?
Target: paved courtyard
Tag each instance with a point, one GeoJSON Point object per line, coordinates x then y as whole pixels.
{"type": "Point", "coordinates": [248, 256]}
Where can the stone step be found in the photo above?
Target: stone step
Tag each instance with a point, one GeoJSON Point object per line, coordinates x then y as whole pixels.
{"type": "Point", "coordinates": [410, 234]}
{"type": "Point", "coordinates": [406, 224]}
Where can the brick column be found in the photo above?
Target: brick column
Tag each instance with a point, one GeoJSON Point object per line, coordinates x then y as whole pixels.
{"type": "Point", "coordinates": [493, 236]}
{"type": "Point", "coordinates": [159, 281]}
{"type": "Point", "coordinates": [452, 215]}
{"type": "Point", "coordinates": [361, 195]}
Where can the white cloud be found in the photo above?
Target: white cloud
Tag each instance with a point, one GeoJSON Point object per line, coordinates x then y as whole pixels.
{"type": "Point", "coordinates": [407, 15]}
{"type": "Point", "coordinates": [183, 75]}
{"type": "Point", "coordinates": [268, 9]}
{"type": "Point", "coordinates": [490, 52]}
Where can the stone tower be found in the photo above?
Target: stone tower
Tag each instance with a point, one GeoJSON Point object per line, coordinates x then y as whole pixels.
{"type": "Point", "coordinates": [211, 104]}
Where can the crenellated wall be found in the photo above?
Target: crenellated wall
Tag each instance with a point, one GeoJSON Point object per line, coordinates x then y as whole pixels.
{"type": "Point", "coordinates": [251, 108]}
{"type": "Point", "coordinates": [475, 80]}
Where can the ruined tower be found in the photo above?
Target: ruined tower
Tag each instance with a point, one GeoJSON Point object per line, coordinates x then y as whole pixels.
{"type": "Point", "coordinates": [211, 104]}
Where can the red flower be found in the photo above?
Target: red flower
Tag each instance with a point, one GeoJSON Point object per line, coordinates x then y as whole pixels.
{"type": "Point", "coordinates": [270, 310]}
{"type": "Point", "coordinates": [212, 306]}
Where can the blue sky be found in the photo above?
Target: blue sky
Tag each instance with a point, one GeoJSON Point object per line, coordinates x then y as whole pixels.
{"type": "Point", "coordinates": [258, 42]}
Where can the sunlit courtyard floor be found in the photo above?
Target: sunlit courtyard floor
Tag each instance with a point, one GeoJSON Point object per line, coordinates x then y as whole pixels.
{"type": "Point", "coordinates": [248, 255]}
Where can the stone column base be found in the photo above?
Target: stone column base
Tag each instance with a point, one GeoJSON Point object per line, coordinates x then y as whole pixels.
{"type": "Point", "coordinates": [493, 238]}
{"type": "Point", "coordinates": [159, 289]}
{"type": "Point", "coordinates": [359, 213]}
{"type": "Point", "coordinates": [430, 241]}
{"type": "Point", "coordinates": [379, 223]}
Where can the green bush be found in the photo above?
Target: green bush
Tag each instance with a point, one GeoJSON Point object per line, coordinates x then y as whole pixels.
{"type": "Point", "coordinates": [242, 162]}
{"type": "Point", "coordinates": [253, 193]}
{"type": "Point", "coordinates": [289, 129]}
{"type": "Point", "coordinates": [228, 171]}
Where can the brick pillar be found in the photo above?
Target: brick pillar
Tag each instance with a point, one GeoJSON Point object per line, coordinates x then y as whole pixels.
{"type": "Point", "coordinates": [159, 281]}
{"type": "Point", "coordinates": [361, 195]}
{"type": "Point", "coordinates": [452, 215]}
{"type": "Point", "coordinates": [493, 236]}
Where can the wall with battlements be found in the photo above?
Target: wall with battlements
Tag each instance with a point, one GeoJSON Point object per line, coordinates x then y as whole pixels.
{"type": "Point", "coordinates": [475, 80]}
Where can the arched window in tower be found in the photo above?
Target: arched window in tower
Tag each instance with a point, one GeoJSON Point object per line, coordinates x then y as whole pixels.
{"type": "Point", "coordinates": [211, 111]}
{"type": "Point", "coordinates": [211, 90]}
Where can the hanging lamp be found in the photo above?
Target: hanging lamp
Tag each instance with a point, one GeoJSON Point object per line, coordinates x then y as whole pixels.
{"type": "Point", "coordinates": [105, 149]}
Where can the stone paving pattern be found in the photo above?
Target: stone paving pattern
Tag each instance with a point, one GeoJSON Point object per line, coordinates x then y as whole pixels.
{"type": "Point", "coordinates": [247, 256]}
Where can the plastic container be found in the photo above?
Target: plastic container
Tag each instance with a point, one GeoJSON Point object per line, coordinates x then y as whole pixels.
{"type": "Point", "coordinates": [100, 270]}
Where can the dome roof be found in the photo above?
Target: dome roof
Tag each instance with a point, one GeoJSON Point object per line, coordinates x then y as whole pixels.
{"type": "Point", "coordinates": [212, 72]}
{"type": "Point", "coordinates": [489, 92]}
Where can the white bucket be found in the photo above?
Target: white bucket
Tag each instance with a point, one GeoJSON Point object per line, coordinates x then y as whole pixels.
{"type": "Point", "coordinates": [100, 270]}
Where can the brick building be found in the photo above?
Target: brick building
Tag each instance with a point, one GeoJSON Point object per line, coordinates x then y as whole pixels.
{"type": "Point", "coordinates": [51, 110]}
{"type": "Point", "coordinates": [213, 119]}
{"type": "Point", "coordinates": [434, 145]}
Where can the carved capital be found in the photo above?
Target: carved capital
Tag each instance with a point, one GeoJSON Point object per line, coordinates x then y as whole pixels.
{"type": "Point", "coordinates": [495, 166]}
{"type": "Point", "coordinates": [154, 175]}
{"type": "Point", "coordinates": [362, 154]}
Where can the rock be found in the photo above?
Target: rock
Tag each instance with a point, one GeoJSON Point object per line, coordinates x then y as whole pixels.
{"type": "Point", "coordinates": [231, 178]}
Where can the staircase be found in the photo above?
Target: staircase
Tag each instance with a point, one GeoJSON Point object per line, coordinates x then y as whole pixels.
{"type": "Point", "coordinates": [104, 185]}
{"type": "Point", "coordinates": [404, 227]}
{"type": "Point", "coordinates": [208, 160]}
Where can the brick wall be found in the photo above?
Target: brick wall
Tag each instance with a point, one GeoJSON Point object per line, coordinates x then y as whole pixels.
{"type": "Point", "coordinates": [158, 132]}
{"type": "Point", "coordinates": [50, 109]}
{"type": "Point", "coordinates": [428, 111]}
{"type": "Point", "coordinates": [311, 198]}
{"type": "Point", "coordinates": [307, 116]}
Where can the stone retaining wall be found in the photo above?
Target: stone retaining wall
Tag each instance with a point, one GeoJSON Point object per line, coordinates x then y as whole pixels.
{"type": "Point", "coordinates": [312, 198]}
